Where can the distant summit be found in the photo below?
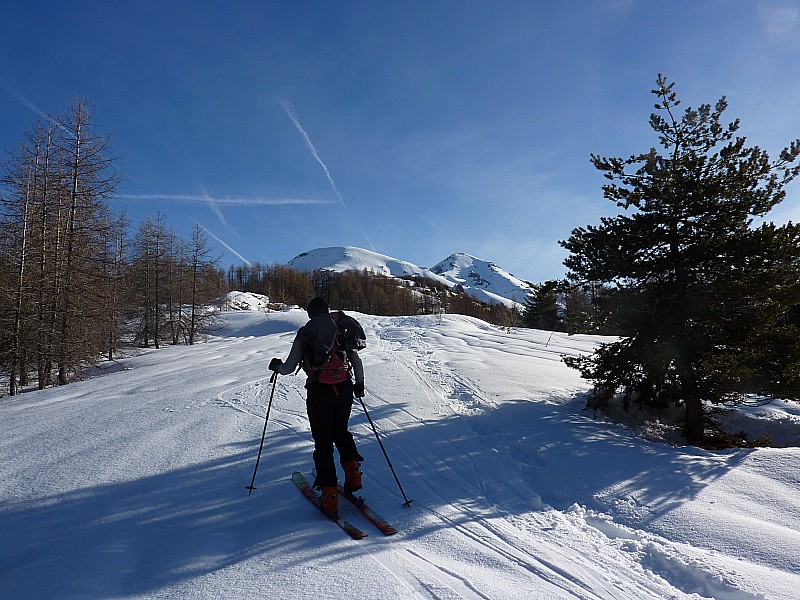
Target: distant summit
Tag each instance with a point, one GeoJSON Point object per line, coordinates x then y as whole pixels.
{"type": "Point", "coordinates": [484, 281]}
{"type": "Point", "coordinates": [350, 258]}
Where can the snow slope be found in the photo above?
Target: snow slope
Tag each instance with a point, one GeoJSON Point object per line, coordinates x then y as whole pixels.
{"type": "Point", "coordinates": [481, 279]}
{"type": "Point", "coordinates": [484, 280]}
{"type": "Point", "coordinates": [349, 258]}
{"type": "Point", "coordinates": [131, 484]}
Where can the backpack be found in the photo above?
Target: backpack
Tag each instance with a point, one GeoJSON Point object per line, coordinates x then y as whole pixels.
{"type": "Point", "coordinates": [328, 360]}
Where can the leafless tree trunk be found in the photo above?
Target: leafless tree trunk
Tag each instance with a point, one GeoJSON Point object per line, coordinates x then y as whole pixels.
{"type": "Point", "coordinates": [28, 165]}
{"type": "Point", "coordinates": [90, 186]}
{"type": "Point", "coordinates": [200, 263]}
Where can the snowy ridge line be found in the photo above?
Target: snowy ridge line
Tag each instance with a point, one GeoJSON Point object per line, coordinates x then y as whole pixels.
{"type": "Point", "coordinates": [482, 280]}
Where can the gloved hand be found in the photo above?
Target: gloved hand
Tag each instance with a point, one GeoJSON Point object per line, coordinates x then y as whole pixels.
{"type": "Point", "coordinates": [358, 389]}
{"type": "Point", "coordinates": [275, 364]}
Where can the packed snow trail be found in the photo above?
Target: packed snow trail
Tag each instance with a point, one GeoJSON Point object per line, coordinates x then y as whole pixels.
{"type": "Point", "coordinates": [131, 484]}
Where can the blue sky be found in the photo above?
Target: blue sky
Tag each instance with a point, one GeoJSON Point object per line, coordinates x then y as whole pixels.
{"type": "Point", "coordinates": [415, 129]}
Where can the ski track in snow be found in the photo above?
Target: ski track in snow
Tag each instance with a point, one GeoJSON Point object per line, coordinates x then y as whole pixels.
{"type": "Point", "coordinates": [650, 554]}
{"type": "Point", "coordinates": [432, 376]}
{"type": "Point", "coordinates": [472, 435]}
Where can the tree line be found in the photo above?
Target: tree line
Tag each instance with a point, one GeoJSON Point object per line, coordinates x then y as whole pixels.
{"type": "Point", "coordinates": [76, 284]}
{"type": "Point", "coordinates": [367, 292]}
{"type": "Point", "coordinates": [701, 289]}
{"type": "Point", "coordinates": [170, 282]}
{"type": "Point", "coordinates": [70, 282]}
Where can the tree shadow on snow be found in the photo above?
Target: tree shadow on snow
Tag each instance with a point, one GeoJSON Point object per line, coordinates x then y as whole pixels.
{"type": "Point", "coordinates": [164, 531]}
{"type": "Point", "coordinates": [526, 455]}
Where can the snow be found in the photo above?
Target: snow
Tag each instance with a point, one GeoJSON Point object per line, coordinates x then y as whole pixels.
{"type": "Point", "coordinates": [348, 258]}
{"type": "Point", "coordinates": [482, 280]}
{"type": "Point", "coordinates": [245, 301]}
{"type": "Point", "coordinates": [131, 483]}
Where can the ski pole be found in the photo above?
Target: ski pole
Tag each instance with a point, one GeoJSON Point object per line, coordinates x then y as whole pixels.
{"type": "Point", "coordinates": [274, 381]}
{"type": "Point", "coordinates": [407, 502]}
{"type": "Point", "coordinates": [551, 334]}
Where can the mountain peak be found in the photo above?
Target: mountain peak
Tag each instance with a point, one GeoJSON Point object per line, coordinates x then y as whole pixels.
{"type": "Point", "coordinates": [483, 280]}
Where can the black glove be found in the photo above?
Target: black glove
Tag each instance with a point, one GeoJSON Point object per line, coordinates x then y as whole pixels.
{"type": "Point", "coordinates": [275, 364]}
{"type": "Point", "coordinates": [358, 389]}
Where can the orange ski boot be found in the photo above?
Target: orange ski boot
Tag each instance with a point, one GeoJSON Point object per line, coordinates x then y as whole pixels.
{"type": "Point", "coordinates": [330, 501]}
{"type": "Point", "coordinates": [352, 477]}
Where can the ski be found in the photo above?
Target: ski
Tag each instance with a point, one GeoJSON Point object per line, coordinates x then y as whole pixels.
{"type": "Point", "coordinates": [307, 491]}
{"type": "Point", "coordinates": [361, 505]}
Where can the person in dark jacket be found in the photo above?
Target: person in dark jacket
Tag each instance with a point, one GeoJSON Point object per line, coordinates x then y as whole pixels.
{"type": "Point", "coordinates": [328, 405]}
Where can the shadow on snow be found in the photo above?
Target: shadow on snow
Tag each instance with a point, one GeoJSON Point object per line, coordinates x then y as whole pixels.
{"type": "Point", "coordinates": [136, 537]}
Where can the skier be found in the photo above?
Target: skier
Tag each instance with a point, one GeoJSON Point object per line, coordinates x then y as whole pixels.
{"type": "Point", "coordinates": [328, 404]}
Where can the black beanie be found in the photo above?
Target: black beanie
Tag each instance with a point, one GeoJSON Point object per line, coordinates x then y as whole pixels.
{"type": "Point", "coordinates": [317, 307]}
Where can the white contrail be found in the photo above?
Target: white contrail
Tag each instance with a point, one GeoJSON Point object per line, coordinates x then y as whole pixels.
{"type": "Point", "coordinates": [33, 107]}
{"type": "Point", "coordinates": [293, 116]}
{"type": "Point", "coordinates": [231, 250]}
{"type": "Point", "coordinates": [216, 209]}
{"type": "Point", "coordinates": [232, 201]}
{"type": "Point", "coordinates": [25, 101]}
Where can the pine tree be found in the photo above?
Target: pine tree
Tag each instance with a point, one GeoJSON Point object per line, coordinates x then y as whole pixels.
{"type": "Point", "coordinates": [703, 294]}
{"type": "Point", "coordinates": [541, 307]}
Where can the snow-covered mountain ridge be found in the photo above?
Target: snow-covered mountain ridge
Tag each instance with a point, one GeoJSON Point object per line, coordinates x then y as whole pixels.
{"type": "Point", "coordinates": [481, 279]}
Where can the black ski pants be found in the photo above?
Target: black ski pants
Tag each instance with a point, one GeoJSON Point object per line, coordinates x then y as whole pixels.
{"type": "Point", "coordinates": [328, 409]}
